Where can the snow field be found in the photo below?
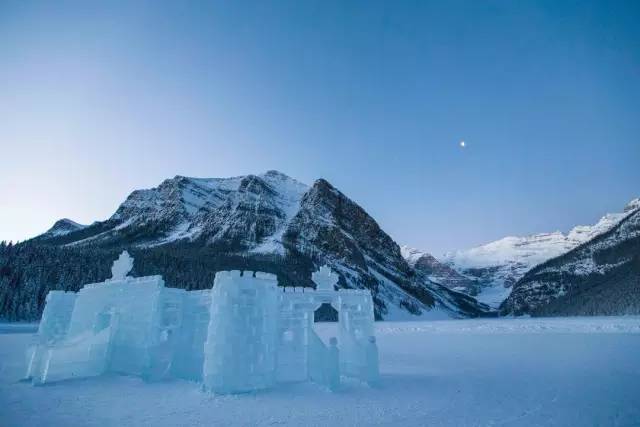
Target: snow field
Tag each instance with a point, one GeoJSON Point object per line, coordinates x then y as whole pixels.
{"type": "Point", "coordinates": [494, 372]}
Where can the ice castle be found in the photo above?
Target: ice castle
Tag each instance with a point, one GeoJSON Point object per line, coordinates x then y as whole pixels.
{"type": "Point", "coordinates": [244, 334]}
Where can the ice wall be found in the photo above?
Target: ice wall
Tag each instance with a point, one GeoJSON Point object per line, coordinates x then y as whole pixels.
{"type": "Point", "coordinates": [358, 348]}
{"type": "Point", "coordinates": [188, 360]}
{"type": "Point", "coordinates": [83, 356]}
{"type": "Point", "coordinates": [129, 307]}
{"type": "Point", "coordinates": [164, 337]}
{"type": "Point", "coordinates": [53, 328]}
{"type": "Point", "coordinates": [56, 316]}
{"type": "Point", "coordinates": [125, 325]}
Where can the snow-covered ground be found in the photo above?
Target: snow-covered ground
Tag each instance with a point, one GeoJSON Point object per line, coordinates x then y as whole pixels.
{"type": "Point", "coordinates": [496, 372]}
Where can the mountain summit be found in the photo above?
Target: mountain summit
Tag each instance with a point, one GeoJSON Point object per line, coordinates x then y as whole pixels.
{"type": "Point", "coordinates": [62, 227]}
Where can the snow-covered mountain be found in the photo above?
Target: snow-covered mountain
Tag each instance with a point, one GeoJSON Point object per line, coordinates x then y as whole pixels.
{"type": "Point", "coordinates": [498, 265]}
{"type": "Point", "coordinates": [438, 272]}
{"type": "Point", "coordinates": [244, 213]}
{"type": "Point", "coordinates": [62, 227]}
{"type": "Point", "coordinates": [598, 277]}
{"type": "Point", "coordinates": [267, 222]}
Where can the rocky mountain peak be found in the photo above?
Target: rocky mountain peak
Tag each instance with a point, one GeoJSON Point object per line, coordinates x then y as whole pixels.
{"type": "Point", "coordinates": [277, 175]}
{"type": "Point", "coordinates": [632, 205]}
{"type": "Point", "coordinates": [255, 185]}
{"type": "Point", "coordinates": [436, 271]}
{"type": "Point", "coordinates": [411, 255]}
{"type": "Point", "coordinates": [64, 226]}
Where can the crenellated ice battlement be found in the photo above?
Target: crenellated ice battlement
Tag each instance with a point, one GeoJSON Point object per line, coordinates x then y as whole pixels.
{"type": "Point", "coordinates": [157, 279]}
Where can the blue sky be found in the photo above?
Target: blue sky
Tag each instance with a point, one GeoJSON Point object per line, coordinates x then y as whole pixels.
{"type": "Point", "coordinates": [99, 99]}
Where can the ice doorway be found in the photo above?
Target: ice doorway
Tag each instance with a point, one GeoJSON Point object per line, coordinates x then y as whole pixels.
{"type": "Point", "coordinates": [325, 322]}
{"type": "Point", "coordinates": [325, 313]}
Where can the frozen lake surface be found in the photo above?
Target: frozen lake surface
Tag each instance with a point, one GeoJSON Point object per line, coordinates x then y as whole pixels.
{"type": "Point", "coordinates": [494, 372]}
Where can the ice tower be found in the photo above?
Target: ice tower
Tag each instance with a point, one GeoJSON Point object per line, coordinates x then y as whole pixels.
{"type": "Point", "coordinates": [240, 351]}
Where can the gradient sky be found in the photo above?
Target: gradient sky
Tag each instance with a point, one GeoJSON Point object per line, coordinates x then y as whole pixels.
{"type": "Point", "coordinates": [100, 98]}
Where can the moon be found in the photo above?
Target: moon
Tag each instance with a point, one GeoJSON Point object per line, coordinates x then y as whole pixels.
{"type": "Point", "coordinates": [463, 144]}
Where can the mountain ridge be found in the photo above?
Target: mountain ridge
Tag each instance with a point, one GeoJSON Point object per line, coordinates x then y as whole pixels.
{"type": "Point", "coordinates": [599, 277]}
{"type": "Point", "coordinates": [498, 265]}
{"type": "Point", "coordinates": [188, 228]}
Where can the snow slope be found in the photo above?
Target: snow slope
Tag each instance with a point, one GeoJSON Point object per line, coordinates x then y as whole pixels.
{"type": "Point", "coordinates": [600, 277]}
{"type": "Point", "coordinates": [497, 372]}
{"type": "Point", "coordinates": [499, 265]}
